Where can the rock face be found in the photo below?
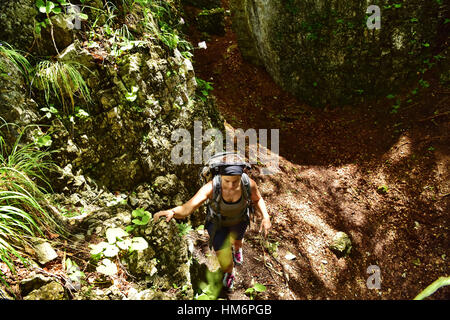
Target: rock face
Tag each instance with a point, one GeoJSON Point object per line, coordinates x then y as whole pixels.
{"type": "Point", "coordinates": [126, 142]}
{"type": "Point", "coordinates": [15, 104]}
{"type": "Point", "coordinates": [205, 4]}
{"type": "Point", "coordinates": [212, 21]}
{"type": "Point", "coordinates": [18, 15]}
{"type": "Point", "coordinates": [147, 93]}
{"type": "Point", "coordinates": [163, 264]}
{"type": "Point", "coordinates": [140, 96]}
{"type": "Point", "coordinates": [323, 51]}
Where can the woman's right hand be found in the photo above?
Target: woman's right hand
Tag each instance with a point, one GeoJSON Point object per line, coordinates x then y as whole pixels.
{"type": "Point", "coordinates": [167, 213]}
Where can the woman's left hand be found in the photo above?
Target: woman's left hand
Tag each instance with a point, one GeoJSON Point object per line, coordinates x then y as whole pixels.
{"type": "Point", "coordinates": [266, 224]}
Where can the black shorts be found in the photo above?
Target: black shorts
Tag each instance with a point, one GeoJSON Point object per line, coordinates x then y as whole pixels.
{"type": "Point", "coordinates": [221, 238]}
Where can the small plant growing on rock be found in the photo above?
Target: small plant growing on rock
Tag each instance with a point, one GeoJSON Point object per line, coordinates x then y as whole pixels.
{"type": "Point", "coordinates": [63, 80]}
{"type": "Point", "coordinates": [118, 241]}
{"type": "Point", "coordinates": [203, 88]}
{"type": "Point", "coordinates": [16, 58]}
{"type": "Point", "coordinates": [253, 291]}
{"type": "Point", "coordinates": [183, 229]}
{"type": "Point", "coordinates": [142, 217]}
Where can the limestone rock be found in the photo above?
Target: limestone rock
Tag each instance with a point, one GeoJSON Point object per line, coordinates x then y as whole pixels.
{"type": "Point", "coordinates": [323, 51]}
{"type": "Point", "coordinates": [50, 291]}
{"type": "Point", "coordinates": [341, 244]}
{"type": "Point", "coordinates": [45, 252]}
{"type": "Point", "coordinates": [35, 281]}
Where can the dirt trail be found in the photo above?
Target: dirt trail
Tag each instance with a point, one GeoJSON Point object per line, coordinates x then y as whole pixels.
{"type": "Point", "coordinates": [382, 178]}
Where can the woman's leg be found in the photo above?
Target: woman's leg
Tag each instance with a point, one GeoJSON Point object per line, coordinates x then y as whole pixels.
{"type": "Point", "coordinates": [237, 244]}
{"type": "Point", "coordinates": [222, 247]}
{"type": "Point", "coordinates": [237, 234]}
{"type": "Point", "coordinates": [225, 259]}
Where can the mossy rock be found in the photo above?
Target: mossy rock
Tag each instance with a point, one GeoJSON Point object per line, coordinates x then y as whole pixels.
{"type": "Point", "coordinates": [50, 291]}
{"type": "Point", "coordinates": [341, 244]}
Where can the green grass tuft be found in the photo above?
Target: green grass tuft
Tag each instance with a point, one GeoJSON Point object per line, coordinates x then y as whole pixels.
{"type": "Point", "coordinates": [63, 80]}
{"type": "Point", "coordinates": [23, 214]}
{"type": "Point", "coordinates": [16, 58]}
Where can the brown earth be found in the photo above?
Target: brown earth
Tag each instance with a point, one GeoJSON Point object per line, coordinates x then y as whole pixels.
{"type": "Point", "coordinates": [381, 177]}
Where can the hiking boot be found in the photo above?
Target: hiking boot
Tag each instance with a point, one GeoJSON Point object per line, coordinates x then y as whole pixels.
{"type": "Point", "coordinates": [228, 281]}
{"type": "Point", "coordinates": [238, 257]}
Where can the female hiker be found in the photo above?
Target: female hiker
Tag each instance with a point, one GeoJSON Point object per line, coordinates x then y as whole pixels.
{"type": "Point", "coordinates": [226, 230]}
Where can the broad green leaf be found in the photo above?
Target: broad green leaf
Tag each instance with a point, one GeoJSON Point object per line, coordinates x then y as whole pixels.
{"type": "Point", "coordinates": [107, 268]}
{"type": "Point", "coordinates": [124, 245]}
{"type": "Point", "coordinates": [249, 290]}
{"type": "Point", "coordinates": [82, 114]}
{"type": "Point", "coordinates": [138, 212]}
{"type": "Point", "coordinates": [142, 222]}
{"type": "Point", "coordinates": [132, 96]}
{"type": "Point", "coordinates": [83, 16]}
{"type": "Point", "coordinates": [203, 296]}
{"type": "Point", "coordinates": [111, 251]}
{"type": "Point", "coordinates": [40, 4]}
{"type": "Point", "coordinates": [141, 213]}
{"type": "Point", "coordinates": [98, 248]}
{"type": "Point", "coordinates": [259, 287]}
{"type": "Point", "coordinates": [113, 233]}
{"type": "Point", "coordinates": [68, 264]}
{"type": "Point", "coordinates": [44, 141]}
{"type": "Point", "coordinates": [138, 243]}
{"type": "Point", "coordinates": [49, 7]}
{"type": "Point", "coordinates": [432, 288]}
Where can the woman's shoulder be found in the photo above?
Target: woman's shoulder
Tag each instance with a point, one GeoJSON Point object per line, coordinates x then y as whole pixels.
{"type": "Point", "coordinates": [208, 188]}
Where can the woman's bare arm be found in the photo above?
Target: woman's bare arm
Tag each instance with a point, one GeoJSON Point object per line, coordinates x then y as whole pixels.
{"type": "Point", "coordinates": [187, 208]}
{"type": "Point", "coordinates": [260, 206]}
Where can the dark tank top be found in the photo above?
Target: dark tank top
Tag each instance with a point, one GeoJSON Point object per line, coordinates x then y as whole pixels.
{"type": "Point", "coordinates": [232, 211]}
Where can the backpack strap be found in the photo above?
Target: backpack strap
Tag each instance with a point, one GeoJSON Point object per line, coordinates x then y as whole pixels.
{"type": "Point", "coordinates": [217, 191]}
{"type": "Point", "coordinates": [248, 196]}
{"type": "Point", "coordinates": [246, 182]}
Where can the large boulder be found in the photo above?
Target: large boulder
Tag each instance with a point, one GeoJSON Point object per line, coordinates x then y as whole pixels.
{"type": "Point", "coordinates": [126, 139]}
{"type": "Point", "coordinates": [323, 51]}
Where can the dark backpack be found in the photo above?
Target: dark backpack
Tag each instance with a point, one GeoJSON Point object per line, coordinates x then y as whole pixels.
{"type": "Point", "coordinates": [211, 171]}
